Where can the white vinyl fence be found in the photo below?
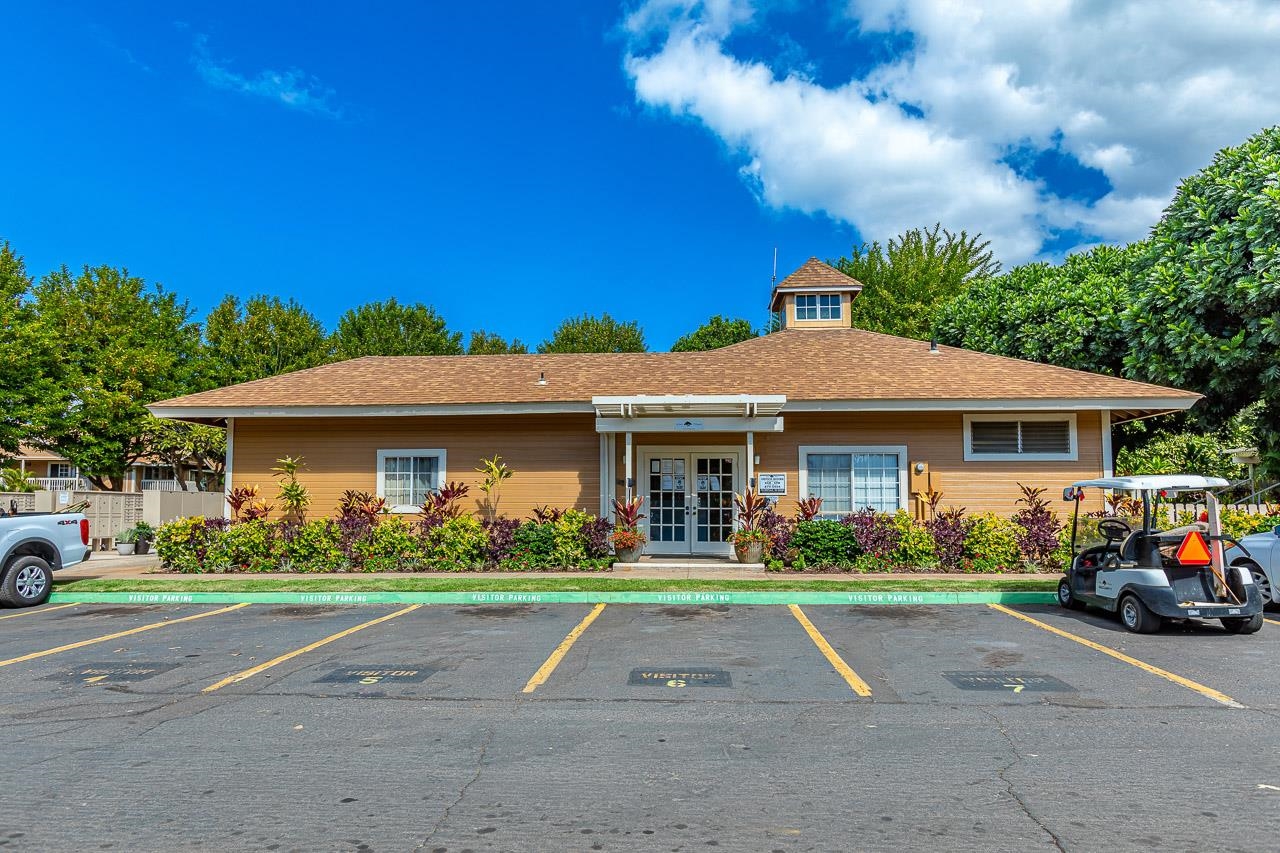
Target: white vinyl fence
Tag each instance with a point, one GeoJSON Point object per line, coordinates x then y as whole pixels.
{"type": "Point", "coordinates": [1173, 510]}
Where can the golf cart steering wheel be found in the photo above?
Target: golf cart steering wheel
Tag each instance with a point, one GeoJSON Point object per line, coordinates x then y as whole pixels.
{"type": "Point", "coordinates": [1114, 529]}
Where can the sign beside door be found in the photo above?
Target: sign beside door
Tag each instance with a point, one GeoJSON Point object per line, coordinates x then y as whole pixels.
{"type": "Point", "coordinates": [771, 484]}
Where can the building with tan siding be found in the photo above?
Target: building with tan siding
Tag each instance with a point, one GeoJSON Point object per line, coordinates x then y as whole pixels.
{"type": "Point", "coordinates": [815, 409]}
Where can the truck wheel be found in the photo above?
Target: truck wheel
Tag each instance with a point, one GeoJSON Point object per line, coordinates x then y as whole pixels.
{"type": "Point", "coordinates": [1244, 625]}
{"type": "Point", "coordinates": [27, 582]}
{"type": "Point", "coordinates": [1066, 597]}
{"type": "Point", "coordinates": [1137, 617]}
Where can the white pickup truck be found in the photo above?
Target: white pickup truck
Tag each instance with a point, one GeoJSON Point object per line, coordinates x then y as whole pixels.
{"type": "Point", "coordinates": [32, 547]}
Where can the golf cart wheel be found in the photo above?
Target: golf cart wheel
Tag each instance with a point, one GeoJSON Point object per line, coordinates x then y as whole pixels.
{"type": "Point", "coordinates": [1066, 597]}
{"type": "Point", "coordinates": [1245, 625]}
{"type": "Point", "coordinates": [27, 582]}
{"type": "Point", "coordinates": [1260, 580]}
{"type": "Point", "coordinates": [1137, 617]}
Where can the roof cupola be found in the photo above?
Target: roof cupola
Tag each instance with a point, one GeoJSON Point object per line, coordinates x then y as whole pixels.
{"type": "Point", "coordinates": [816, 296]}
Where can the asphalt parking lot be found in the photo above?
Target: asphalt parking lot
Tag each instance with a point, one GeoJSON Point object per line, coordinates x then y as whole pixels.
{"type": "Point", "coordinates": [618, 727]}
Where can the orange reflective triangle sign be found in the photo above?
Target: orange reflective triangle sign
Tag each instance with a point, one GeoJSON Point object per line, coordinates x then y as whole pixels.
{"type": "Point", "coordinates": [1194, 551]}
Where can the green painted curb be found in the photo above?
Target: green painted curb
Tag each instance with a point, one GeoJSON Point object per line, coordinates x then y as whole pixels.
{"type": "Point", "coordinates": [781, 597]}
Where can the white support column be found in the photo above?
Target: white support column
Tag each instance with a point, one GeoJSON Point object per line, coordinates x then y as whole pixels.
{"type": "Point", "coordinates": [1106, 443]}
{"type": "Point", "coordinates": [613, 471]}
{"type": "Point", "coordinates": [629, 471]}
{"type": "Point", "coordinates": [751, 459]}
{"type": "Point", "coordinates": [226, 476]}
{"type": "Point", "coordinates": [605, 482]}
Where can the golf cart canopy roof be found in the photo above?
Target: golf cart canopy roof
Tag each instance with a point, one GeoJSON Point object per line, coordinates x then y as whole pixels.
{"type": "Point", "coordinates": [1163, 482]}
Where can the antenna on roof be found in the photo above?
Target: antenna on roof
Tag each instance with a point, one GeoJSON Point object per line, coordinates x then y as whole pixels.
{"type": "Point", "coordinates": [775, 267]}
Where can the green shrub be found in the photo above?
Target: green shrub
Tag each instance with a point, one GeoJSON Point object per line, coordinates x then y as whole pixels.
{"type": "Point", "coordinates": [824, 542]}
{"type": "Point", "coordinates": [870, 563]}
{"type": "Point", "coordinates": [533, 545]}
{"type": "Point", "coordinates": [458, 545]}
{"type": "Point", "coordinates": [569, 546]}
{"type": "Point", "coordinates": [991, 545]}
{"type": "Point", "coordinates": [244, 547]}
{"type": "Point", "coordinates": [1237, 523]}
{"type": "Point", "coordinates": [915, 543]}
{"type": "Point", "coordinates": [313, 546]}
{"type": "Point", "coordinates": [183, 545]}
{"type": "Point", "coordinates": [392, 546]}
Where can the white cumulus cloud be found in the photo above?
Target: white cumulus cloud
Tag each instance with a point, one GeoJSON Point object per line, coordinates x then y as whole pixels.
{"type": "Point", "coordinates": [1144, 92]}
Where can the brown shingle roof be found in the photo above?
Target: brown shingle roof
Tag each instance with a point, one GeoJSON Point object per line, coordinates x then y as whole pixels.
{"type": "Point", "coordinates": [814, 273]}
{"type": "Point", "coordinates": [814, 365]}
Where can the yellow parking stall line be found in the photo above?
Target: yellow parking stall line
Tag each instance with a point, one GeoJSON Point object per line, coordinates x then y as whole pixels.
{"type": "Point", "coordinates": [549, 666]}
{"type": "Point", "coordinates": [35, 610]}
{"type": "Point", "coordinates": [119, 634]}
{"type": "Point", "coordinates": [252, 671]}
{"type": "Point", "coordinates": [833, 657]}
{"type": "Point", "coordinates": [1272, 621]}
{"type": "Point", "coordinates": [1207, 692]}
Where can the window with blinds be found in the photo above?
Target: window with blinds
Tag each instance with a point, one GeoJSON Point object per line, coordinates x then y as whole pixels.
{"type": "Point", "coordinates": [1031, 437]}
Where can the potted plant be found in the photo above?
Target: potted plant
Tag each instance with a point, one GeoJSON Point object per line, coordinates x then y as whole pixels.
{"type": "Point", "coordinates": [627, 537]}
{"type": "Point", "coordinates": [126, 541]}
{"type": "Point", "coordinates": [145, 534]}
{"type": "Point", "coordinates": [750, 539]}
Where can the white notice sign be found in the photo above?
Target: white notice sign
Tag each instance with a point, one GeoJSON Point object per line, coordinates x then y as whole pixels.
{"type": "Point", "coordinates": [771, 484]}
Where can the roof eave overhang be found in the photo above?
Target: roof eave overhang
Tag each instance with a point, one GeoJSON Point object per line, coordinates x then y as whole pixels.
{"type": "Point", "coordinates": [1121, 408]}
{"type": "Point", "coordinates": [220, 414]}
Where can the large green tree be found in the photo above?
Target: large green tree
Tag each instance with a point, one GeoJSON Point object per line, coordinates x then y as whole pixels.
{"type": "Point", "coordinates": [906, 281]}
{"type": "Point", "coordinates": [1207, 316]}
{"type": "Point", "coordinates": [115, 344]}
{"type": "Point", "coordinates": [262, 337]}
{"type": "Point", "coordinates": [389, 328]}
{"type": "Point", "coordinates": [715, 333]}
{"type": "Point", "coordinates": [489, 343]}
{"type": "Point", "coordinates": [1069, 314]}
{"type": "Point", "coordinates": [24, 352]}
{"type": "Point", "coordinates": [595, 334]}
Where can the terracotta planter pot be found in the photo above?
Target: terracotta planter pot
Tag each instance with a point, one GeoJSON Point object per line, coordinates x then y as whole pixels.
{"type": "Point", "coordinates": [748, 552]}
{"type": "Point", "coordinates": [629, 555]}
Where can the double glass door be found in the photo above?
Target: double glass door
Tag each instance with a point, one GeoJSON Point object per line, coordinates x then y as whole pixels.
{"type": "Point", "coordinates": [689, 500]}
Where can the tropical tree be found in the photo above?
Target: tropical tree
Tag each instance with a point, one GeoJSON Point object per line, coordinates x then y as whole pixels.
{"type": "Point", "coordinates": [905, 282]}
{"type": "Point", "coordinates": [595, 334]}
{"type": "Point", "coordinates": [24, 353]}
{"type": "Point", "coordinates": [263, 337]}
{"type": "Point", "coordinates": [1207, 316]}
{"type": "Point", "coordinates": [1069, 314]}
{"type": "Point", "coordinates": [194, 451]}
{"type": "Point", "coordinates": [114, 345]}
{"type": "Point", "coordinates": [389, 328]}
{"type": "Point", "coordinates": [715, 333]}
{"type": "Point", "coordinates": [488, 343]}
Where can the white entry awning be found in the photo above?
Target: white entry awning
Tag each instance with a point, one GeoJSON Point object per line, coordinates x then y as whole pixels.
{"type": "Point", "coordinates": [689, 412]}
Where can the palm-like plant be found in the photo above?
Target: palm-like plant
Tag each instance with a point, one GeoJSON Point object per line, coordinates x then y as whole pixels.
{"type": "Point", "coordinates": [294, 496]}
{"type": "Point", "coordinates": [496, 472]}
{"type": "Point", "coordinates": [809, 508]}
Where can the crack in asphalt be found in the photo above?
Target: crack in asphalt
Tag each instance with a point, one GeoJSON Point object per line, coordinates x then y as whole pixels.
{"type": "Point", "coordinates": [1008, 784]}
{"type": "Point", "coordinates": [462, 792]}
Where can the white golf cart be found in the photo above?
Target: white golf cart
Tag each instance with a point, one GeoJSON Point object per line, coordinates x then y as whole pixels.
{"type": "Point", "coordinates": [1139, 574]}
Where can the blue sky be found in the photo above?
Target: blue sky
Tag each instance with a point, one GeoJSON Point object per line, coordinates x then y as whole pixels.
{"type": "Point", "coordinates": [518, 163]}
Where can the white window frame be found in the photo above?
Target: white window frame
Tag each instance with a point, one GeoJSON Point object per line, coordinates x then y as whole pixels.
{"type": "Point", "coordinates": [853, 450]}
{"type": "Point", "coordinates": [441, 479]}
{"type": "Point", "coordinates": [72, 472]}
{"type": "Point", "coordinates": [1072, 454]}
{"type": "Point", "coordinates": [836, 310]}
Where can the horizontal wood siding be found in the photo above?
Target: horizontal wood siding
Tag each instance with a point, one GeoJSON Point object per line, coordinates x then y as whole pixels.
{"type": "Point", "coordinates": [936, 438]}
{"type": "Point", "coordinates": [556, 458]}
